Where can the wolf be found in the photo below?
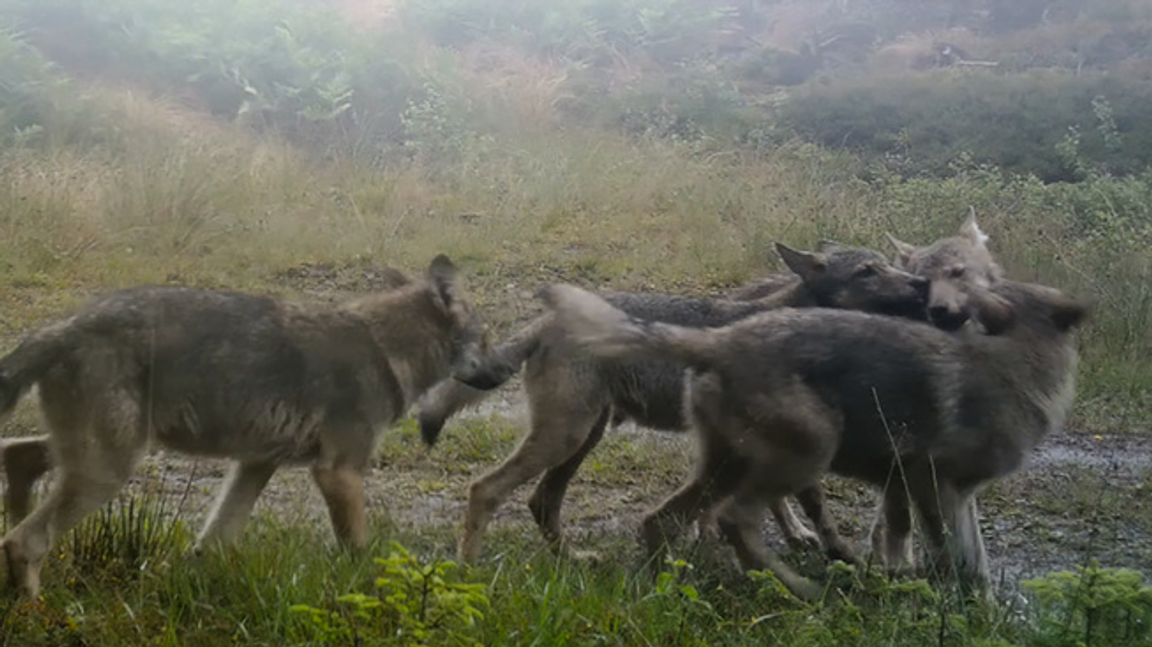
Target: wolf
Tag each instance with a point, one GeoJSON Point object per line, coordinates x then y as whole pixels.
{"type": "Point", "coordinates": [781, 398]}
{"type": "Point", "coordinates": [255, 379]}
{"type": "Point", "coordinates": [572, 396]}
{"type": "Point", "coordinates": [953, 266]}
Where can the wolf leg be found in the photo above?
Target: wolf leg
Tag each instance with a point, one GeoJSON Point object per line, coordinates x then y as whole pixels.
{"type": "Point", "coordinates": [238, 494]}
{"type": "Point", "coordinates": [719, 473]}
{"type": "Point", "coordinates": [554, 437]}
{"type": "Point", "coordinates": [343, 489]}
{"type": "Point", "coordinates": [740, 524]}
{"type": "Point", "coordinates": [891, 533]}
{"type": "Point", "coordinates": [798, 536]}
{"type": "Point", "coordinates": [86, 481]}
{"type": "Point", "coordinates": [952, 530]}
{"type": "Point", "coordinates": [812, 500]}
{"type": "Point", "coordinates": [547, 499]}
{"type": "Point", "coordinates": [25, 461]}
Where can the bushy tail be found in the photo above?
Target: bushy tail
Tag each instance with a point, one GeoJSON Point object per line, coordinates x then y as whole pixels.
{"type": "Point", "coordinates": [23, 367]}
{"type": "Point", "coordinates": [452, 396]}
{"type": "Point", "coordinates": [609, 332]}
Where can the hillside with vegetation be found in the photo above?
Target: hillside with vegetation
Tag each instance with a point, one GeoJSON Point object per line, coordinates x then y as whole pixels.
{"type": "Point", "coordinates": [296, 147]}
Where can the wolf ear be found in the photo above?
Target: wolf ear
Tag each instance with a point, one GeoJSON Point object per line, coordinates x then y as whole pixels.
{"type": "Point", "coordinates": [904, 251]}
{"type": "Point", "coordinates": [806, 265]}
{"type": "Point", "coordinates": [971, 230]}
{"type": "Point", "coordinates": [1068, 312]}
{"type": "Point", "coordinates": [445, 282]}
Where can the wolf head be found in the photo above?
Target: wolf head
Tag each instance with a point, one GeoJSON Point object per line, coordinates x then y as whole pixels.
{"type": "Point", "coordinates": [955, 267]}
{"type": "Point", "coordinates": [470, 351]}
{"type": "Point", "coordinates": [853, 278]}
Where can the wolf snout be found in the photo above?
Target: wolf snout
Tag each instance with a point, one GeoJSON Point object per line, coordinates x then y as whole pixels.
{"type": "Point", "coordinates": [947, 318]}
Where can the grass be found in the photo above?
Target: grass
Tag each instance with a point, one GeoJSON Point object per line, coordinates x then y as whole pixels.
{"type": "Point", "coordinates": [260, 591]}
{"type": "Point", "coordinates": [183, 198]}
{"type": "Point", "coordinates": [121, 186]}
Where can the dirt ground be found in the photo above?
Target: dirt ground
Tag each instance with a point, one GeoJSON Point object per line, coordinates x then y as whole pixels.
{"type": "Point", "coordinates": [1080, 496]}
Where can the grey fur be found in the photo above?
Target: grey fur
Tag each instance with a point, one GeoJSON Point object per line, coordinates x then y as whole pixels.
{"type": "Point", "coordinates": [952, 264]}
{"type": "Point", "coordinates": [572, 395]}
{"type": "Point", "coordinates": [262, 381]}
{"type": "Point", "coordinates": [781, 398]}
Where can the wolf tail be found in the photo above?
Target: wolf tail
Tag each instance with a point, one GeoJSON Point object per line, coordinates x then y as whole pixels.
{"type": "Point", "coordinates": [608, 332]}
{"type": "Point", "coordinates": [452, 396]}
{"type": "Point", "coordinates": [23, 367]}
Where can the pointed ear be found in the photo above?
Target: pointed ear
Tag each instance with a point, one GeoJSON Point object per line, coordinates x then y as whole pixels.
{"type": "Point", "coordinates": [971, 230]}
{"type": "Point", "coordinates": [904, 251]}
{"type": "Point", "coordinates": [444, 278]}
{"type": "Point", "coordinates": [1068, 312]}
{"type": "Point", "coordinates": [806, 265]}
{"type": "Point", "coordinates": [826, 246]}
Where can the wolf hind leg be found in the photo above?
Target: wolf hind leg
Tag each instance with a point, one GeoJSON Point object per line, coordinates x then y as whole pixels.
{"type": "Point", "coordinates": [548, 498]}
{"type": "Point", "coordinates": [812, 500]}
{"type": "Point", "coordinates": [99, 453]}
{"type": "Point", "coordinates": [740, 525]}
{"type": "Point", "coordinates": [25, 460]}
{"type": "Point", "coordinates": [559, 429]}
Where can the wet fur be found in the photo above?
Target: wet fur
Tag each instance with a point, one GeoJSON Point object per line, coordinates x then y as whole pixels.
{"type": "Point", "coordinates": [572, 395]}
{"type": "Point", "coordinates": [781, 398]}
{"type": "Point", "coordinates": [255, 379]}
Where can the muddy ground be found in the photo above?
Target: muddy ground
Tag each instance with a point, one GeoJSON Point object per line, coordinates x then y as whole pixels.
{"type": "Point", "coordinates": [1081, 496]}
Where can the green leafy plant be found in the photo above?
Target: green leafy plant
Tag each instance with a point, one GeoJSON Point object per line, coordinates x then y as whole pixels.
{"type": "Point", "coordinates": [416, 604]}
{"type": "Point", "coordinates": [1093, 605]}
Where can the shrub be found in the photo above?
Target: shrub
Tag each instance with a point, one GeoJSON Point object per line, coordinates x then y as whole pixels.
{"type": "Point", "coordinates": [1018, 122]}
{"type": "Point", "coordinates": [1092, 606]}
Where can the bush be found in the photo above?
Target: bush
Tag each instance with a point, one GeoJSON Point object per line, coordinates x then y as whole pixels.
{"type": "Point", "coordinates": [1092, 606]}
{"type": "Point", "coordinates": [28, 84]}
{"type": "Point", "coordinates": [298, 68]}
{"type": "Point", "coordinates": [924, 122]}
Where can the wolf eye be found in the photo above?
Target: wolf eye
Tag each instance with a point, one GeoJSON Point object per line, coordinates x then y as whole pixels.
{"type": "Point", "coordinates": [865, 272]}
{"type": "Point", "coordinates": [956, 272]}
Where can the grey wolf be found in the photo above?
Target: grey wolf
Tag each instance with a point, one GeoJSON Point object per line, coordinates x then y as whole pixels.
{"type": "Point", "coordinates": [573, 395]}
{"type": "Point", "coordinates": [780, 398]}
{"type": "Point", "coordinates": [954, 266]}
{"type": "Point", "coordinates": [261, 381]}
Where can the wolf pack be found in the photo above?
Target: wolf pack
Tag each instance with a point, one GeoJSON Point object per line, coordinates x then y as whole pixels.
{"type": "Point", "coordinates": [928, 376]}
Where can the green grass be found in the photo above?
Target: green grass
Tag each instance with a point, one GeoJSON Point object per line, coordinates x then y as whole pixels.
{"type": "Point", "coordinates": [252, 593]}
{"type": "Point", "coordinates": [106, 183]}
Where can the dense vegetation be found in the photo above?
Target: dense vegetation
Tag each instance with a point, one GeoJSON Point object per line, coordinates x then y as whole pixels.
{"type": "Point", "coordinates": [634, 143]}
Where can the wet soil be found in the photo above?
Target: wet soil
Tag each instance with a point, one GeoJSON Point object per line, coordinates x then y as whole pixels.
{"type": "Point", "coordinates": [1079, 497]}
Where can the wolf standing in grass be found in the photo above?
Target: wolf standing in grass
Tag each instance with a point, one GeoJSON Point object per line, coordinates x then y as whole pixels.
{"type": "Point", "coordinates": [254, 379]}
{"type": "Point", "coordinates": [572, 395]}
{"type": "Point", "coordinates": [781, 398]}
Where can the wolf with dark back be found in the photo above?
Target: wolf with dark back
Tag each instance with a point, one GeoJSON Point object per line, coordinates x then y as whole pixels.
{"type": "Point", "coordinates": [258, 380]}
{"type": "Point", "coordinates": [781, 398]}
{"type": "Point", "coordinates": [572, 396]}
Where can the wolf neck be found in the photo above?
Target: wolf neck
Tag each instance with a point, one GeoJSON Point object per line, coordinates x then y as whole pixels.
{"type": "Point", "coordinates": [408, 333]}
{"type": "Point", "coordinates": [1042, 374]}
{"type": "Point", "coordinates": [796, 295]}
